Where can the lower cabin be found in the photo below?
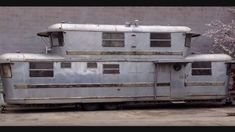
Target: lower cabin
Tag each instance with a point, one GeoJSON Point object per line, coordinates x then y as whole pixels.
{"type": "Point", "coordinates": [47, 79]}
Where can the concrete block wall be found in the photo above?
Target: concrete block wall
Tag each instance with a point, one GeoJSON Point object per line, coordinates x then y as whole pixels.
{"type": "Point", "coordinates": [19, 25]}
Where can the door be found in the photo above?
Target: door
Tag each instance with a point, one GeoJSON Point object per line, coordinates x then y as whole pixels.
{"type": "Point", "coordinates": [177, 77]}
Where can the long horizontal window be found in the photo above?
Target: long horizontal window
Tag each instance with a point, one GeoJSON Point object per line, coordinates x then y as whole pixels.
{"type": "Point", "coordinates": [160, 40]}
{"type": "Point", "coordinates": [41, 69]}
{"type": "Point", "coordinates": [113, 39]}
{"type": "Point", "coordinates": [111, 69]}
{"type": "Point", "coordinates": [201, 68]}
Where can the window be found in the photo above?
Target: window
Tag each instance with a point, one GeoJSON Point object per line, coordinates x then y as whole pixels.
{"type": "Point", "coordinates": [41, 69]}
{"type": "Point", "coordinates": [160, 40]}
{"type": "Point", "coordinates": [111, 69]}
{"type": "Point", "coordinates": [188, 40]}
{"type": "Point", "coordinates": [91, 65]}
{"type": "Point", "coordinates": [111, 39]}
{"type": "Point", "coordinates": [5, 71]}
{"type": "Point", "coordinates": [65, 65]}
{"type": "Point", "coordinates": [57, 39]}
{"type": "Point", "coordinates": [201, 68]}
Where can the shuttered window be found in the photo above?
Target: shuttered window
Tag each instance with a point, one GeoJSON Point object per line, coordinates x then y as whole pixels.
{"type": "Point", "coordinates": [41, 69]}
{"type": "Point", "coordinates": [201, 68]}
{"type": "Point", "coordinates": [160, 40]}
{"type": "Point", "coordinates": [113, 39]}
{"type": "Point", "coordinates": [111, 69]}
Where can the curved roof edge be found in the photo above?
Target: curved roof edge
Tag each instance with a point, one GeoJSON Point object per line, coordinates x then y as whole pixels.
{"type": "Point", "coordinates": [116, 28]}
{"type": "Point", "coordinates": [209, 57]}
{"type": "Point", "coordinates": [10, 57]}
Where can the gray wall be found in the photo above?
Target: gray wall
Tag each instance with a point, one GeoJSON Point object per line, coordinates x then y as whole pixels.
{"type": "Point", "coordinates": [19, 25]}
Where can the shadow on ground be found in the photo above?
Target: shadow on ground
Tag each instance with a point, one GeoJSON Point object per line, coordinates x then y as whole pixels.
{"type": "Point", "coordinates": [72, 108]}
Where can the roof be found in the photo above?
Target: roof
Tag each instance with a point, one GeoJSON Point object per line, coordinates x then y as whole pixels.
{"type": "Point", "coordinates": [172, 61]}
{"type": "Point", "coordinates": [198, 57]}
{"type": "Point", "coordinates": [209, 57]}
{"type": "Point", "coordinates": [9, 57]}
{"type": "Point", "coordinates": [113, 28]}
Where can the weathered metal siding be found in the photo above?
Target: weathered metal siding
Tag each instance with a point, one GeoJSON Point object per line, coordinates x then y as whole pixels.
{"type": "Point", "coordinates": [135, 82]}
{"type": "Point", "coordinates": [207, 84]}
{"type": "Point", "coordinates": [90, 45]}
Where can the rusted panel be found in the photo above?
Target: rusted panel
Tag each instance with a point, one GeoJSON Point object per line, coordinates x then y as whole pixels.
{"type": "Point", "coordinates": [205, 84]}
{"type": "Point", "coordinates": [70, 52]}
{"type": "Point", "coordinates": [92, 97]}
{"type": "Point", "coordinates": [89, 85]}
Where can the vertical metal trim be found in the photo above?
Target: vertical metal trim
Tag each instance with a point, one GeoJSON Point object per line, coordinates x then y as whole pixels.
{"type": "Point", "coordinates": [228, 66]}
{"type": "Point", "coordinates": [155, 81]}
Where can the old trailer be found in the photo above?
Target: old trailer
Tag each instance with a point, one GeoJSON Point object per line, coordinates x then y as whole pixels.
{"type": "Point", "coordinates": [102, 65]}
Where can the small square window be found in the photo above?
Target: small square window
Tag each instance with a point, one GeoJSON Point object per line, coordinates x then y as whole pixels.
{"type": "Point", "coordinates": [91, 65]}
{"type": "Point", "coordinates": [160, 40]}
{"type": "Point", "coordinates": [41, 69]}
{"type": "Point", "coordinates": [201, 68]}
{"type": "Point", "coordinates": [111, 69]}
{"type": "Point", "coordinates": [113, 39]}
{"type": "Point", "coordinates": [65, 65]}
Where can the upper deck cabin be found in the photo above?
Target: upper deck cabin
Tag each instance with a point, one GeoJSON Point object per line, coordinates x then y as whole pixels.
{"type": "Point", "coordinates": [118, 41]}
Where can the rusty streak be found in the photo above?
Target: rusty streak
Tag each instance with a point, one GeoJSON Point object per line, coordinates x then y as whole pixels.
{"type": "Point", "coordinates": [88, 85]}
{"type": "Point", "coordinates": [121, 53]}
{"type": "Point", "coordinates": [204, 84]}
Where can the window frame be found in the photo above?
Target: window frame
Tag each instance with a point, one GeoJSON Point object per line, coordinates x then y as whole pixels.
{"type": "Point", "coordinates": [65, 67]}
{"type": "Point", "coordinates": [2, 73]}
{"type": "Point", "coordinates": [92, 67]}
{"type": "Point", "coordinates": [111, 67]}
{"type": "Point", "coordinates": [41, 70]}
{"type": "Point", "coordinates": [61, 34]}
{"type": "Point", "coordinates": [163, 39]}
{"type": "Point", "coordinates": [188, 39]}
{"type": "Point", "coordinates": [201, 68]}
{"type": "Point", "coordinates": [113, 39]}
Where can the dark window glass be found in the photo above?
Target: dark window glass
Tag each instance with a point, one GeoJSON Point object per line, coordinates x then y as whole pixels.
{"type": "Point", "coordinates": [160, 36]}
{"type": "Point", "coordinates": [65, 65]}
{"type": "Point", "coordinates": [201, 72]}
{"type": "Point", "coordinates": [57, 39]}
{"type": "Point", "coordinates": [41, 73]}
{"type": "Point", "coordinates": [201, 65]}
{"type": "Point", "coordinates": [111, 39]}
{"type": "Point", "coordinates": [5, 71]}
{"type": "Point", "coordinates": [188, 40]}
{"type": "Point", "coordinates": [160, 44]}
{"type": "Point", "coordinates": [112, 35]}
{"type": "Point", "coordinates": [41, 65]}
{"type": "Point", "coordinates": [111, 69]}
{"type": "Point", "coordinates": [41, 69]}
{"type": "Point", "coordinates": [91, 65]}
{"type": "Point", "coordinates": [160, 40]}
{"type": "Point", "coordinates": [201, 68]}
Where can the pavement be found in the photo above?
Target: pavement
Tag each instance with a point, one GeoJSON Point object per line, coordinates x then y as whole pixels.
{"type": "Point", "coordinates": [166, 115]}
